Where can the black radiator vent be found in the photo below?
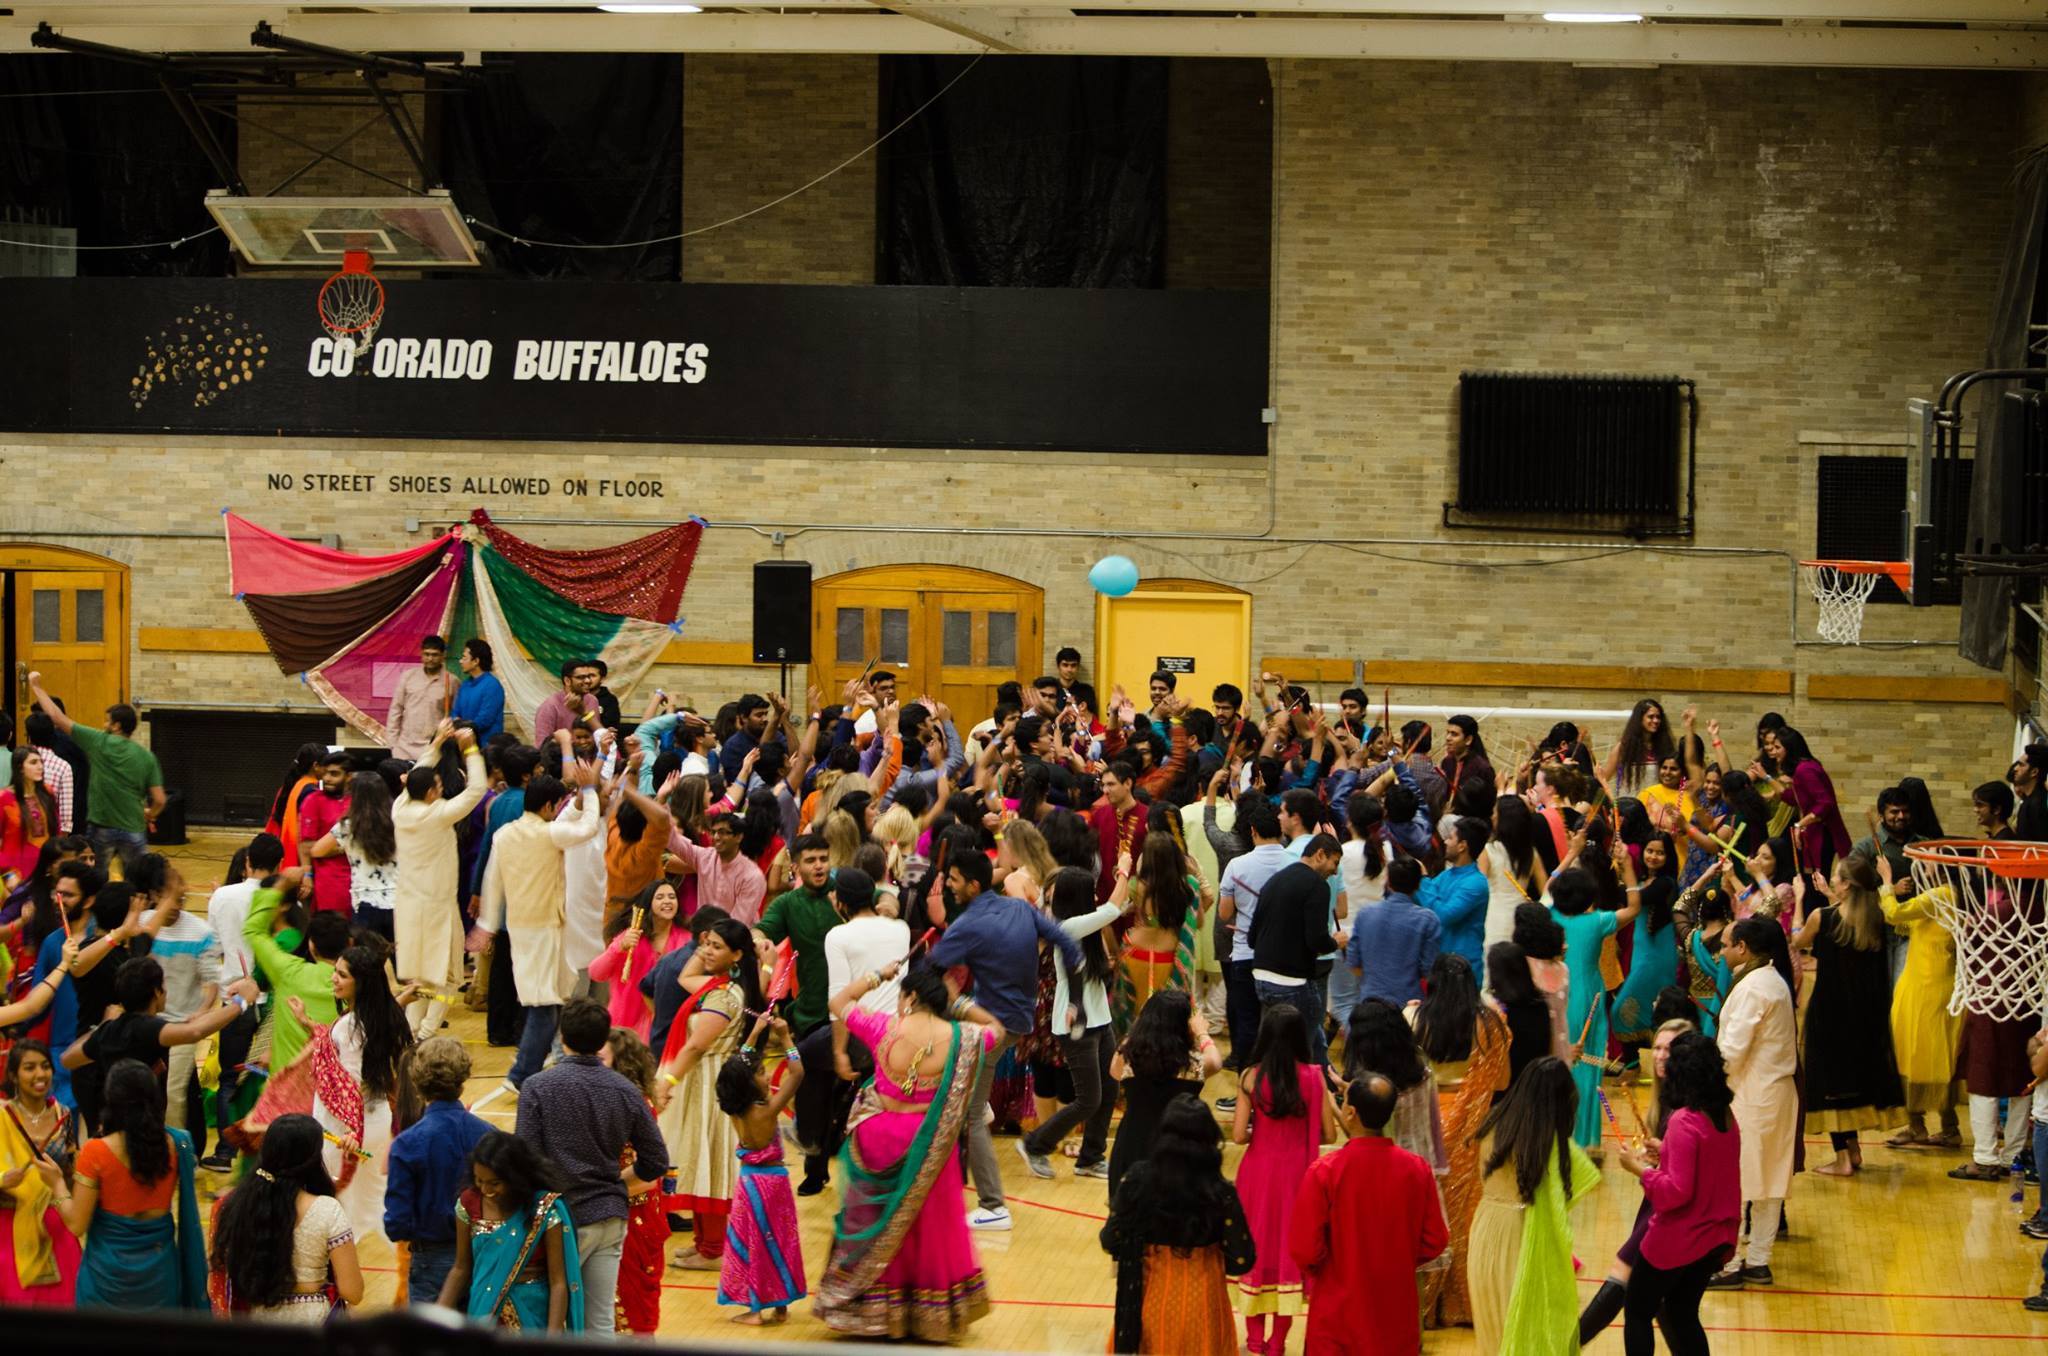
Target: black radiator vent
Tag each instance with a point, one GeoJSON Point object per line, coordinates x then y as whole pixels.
{"type": "Point", "coordinates": [1576, 452]}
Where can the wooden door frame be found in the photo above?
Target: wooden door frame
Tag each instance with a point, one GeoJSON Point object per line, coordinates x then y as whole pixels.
{"type": "Point", "coordinates": [927, 578]}
{"type": "Point", "coordinates": [25, 557]}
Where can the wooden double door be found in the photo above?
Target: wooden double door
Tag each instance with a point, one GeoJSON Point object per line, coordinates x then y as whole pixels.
{"type": "Point", "coordinates": [952, 632]}
{"type": "Point", "coordinates": [66, 615]}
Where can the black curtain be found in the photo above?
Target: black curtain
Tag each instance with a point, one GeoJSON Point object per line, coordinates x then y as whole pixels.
{"type": "Point", "coordinates": [1030, 172]}
{"type": "Point", "coordinates": [1987, 599]}
{"type": "Point", "coordinates": [96, 146]}
{"type": "Point", "coordinates": [581, 148]}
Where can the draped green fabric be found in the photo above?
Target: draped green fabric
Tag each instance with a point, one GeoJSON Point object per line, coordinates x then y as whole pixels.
{"type": "Point", "coordinates": [553, 629]}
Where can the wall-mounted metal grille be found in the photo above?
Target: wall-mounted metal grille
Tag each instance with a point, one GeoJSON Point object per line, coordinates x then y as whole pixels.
{"type": "Point", "coordinates": [1587, 453]}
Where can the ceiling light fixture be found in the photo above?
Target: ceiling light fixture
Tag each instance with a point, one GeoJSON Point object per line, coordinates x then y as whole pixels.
{"type": "Point", "coordinates": [1573, 17]}
{"type": "Point", "coordinates": [627, 7]}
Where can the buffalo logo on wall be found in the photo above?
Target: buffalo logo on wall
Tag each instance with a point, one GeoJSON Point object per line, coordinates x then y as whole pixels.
{"type": "Point", "coordinates": [207, 349]}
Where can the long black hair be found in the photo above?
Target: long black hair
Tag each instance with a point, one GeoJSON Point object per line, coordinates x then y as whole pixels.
{"type": "Point", "coordinates": [132, 1106]}
{"type": "Point", "coordinates": [1696, 1079]}
{"type": "Point", "coordinates": [1739, 794]}
{"type": "Point", "coordinates": [1539, 936]}
{"type": "Point", "coordinates": [387, 1036]}
{"type": "Point", "coordinates": [370, 829]}
{"type": "Point", "coordinates": [1532, 1126]}
{"type": "Point", "coordinates": [1278, 1054]}
{"type": "Point", "coordinates": [252, 1237]}
{"type": "Point", "coordinates": [1638, 746]}
{"type": "Point", "coordinates": [1514, 828]}
{"type": "Point", "coordinates": [1379, 1040]}
{"type": "Point", "coordinates": [1926, 823]}
{"type": "Point", "coordinates": [1448, 1021]}
{"type": "Point", "coordinates": [1364, 816]}
{"type": "Point", "coordinates": [1161, 1044]}
{"type": "Point", "coordinates": [525, 1170]}
{"type": "Point", "coordinates": [303, 762]}
{"type": "Point", "coordinates": [1163, 873]}
{"type": "Point", "coordinates": [1176, 1197]}
{"type": "Point", "coordinates": [1070, 894]}
{"type": "Point", "coordinates": [746, 971]}
{"type": "Point", "coordinates": [1796, 750]}
{"type": "Point", "coordinates": [1769, 720]}
{"type": "Point", "coordinates": [763, 822]}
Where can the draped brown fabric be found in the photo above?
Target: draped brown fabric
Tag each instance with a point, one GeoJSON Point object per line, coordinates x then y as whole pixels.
{"type": "Point", "coordinates": [305, 630]}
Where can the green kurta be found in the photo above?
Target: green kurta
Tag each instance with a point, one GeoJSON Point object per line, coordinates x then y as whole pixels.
{"type": "Point", "coordinates": [311, 982]}
{"type": "Point", "coordinates": [804, 916]}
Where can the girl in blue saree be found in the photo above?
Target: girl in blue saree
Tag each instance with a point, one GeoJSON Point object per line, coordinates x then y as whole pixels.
{"type": "Point", "coordinates": [515, 1246]}
{"type": "Point", "coordinates": [139, 1254]}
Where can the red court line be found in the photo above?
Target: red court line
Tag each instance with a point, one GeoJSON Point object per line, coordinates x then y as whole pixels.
{"type": "Point", "coordinates": [1057, 1210]}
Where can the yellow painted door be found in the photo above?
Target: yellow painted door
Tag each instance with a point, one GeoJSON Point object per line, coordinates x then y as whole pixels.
{"type": "Point", "coordinates": [977, 641]}
{"type": "Point", "coordinates": [70, 626]}
{"type": "Point", "coordinates": [1205, 630]}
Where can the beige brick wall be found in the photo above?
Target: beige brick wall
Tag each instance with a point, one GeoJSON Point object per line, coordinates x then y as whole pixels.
{"type": "Point", "coordinates": [266, 158]}
{"type": "Point", "coordinates": [755, 127]}
{"type": "Point", "coordinates": [1812, 247]}
{"type": "Point", "coordinates": [1219, 173]}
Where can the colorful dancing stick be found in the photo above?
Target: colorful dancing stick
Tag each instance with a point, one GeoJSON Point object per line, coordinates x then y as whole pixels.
{"type": "Point", "coordinates": [335, 1139]}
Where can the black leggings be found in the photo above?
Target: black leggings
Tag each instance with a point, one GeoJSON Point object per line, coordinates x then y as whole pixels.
{"type": "Point", "coordinates": [1672, 1300]}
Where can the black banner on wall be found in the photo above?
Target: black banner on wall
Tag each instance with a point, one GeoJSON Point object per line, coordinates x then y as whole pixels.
{"type": "Point", "coordinates": [1090, 370]}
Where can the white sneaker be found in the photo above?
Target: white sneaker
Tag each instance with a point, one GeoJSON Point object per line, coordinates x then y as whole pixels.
{"type": "Point", "coordinates": [996, 1219]}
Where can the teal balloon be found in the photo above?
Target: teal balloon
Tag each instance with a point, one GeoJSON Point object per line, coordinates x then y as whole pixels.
{"type": "Point", "coordinates": [1114, 576]}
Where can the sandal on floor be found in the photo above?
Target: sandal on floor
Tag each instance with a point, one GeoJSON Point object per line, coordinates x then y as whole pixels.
{"type": "Point", "coordinates": [1976, 1172]}
{"type": "Point", "coordinates": [1948, 1139]}
{"type": "Point", "coordinates": [1908, 1139]}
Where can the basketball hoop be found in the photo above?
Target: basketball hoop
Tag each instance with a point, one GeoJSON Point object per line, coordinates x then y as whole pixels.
{"type": "Point", "coordinates": [352, 301]}
{"type": "Point", "coordinates": [1993, 896]}
{"type": "Point", "coordinates": [1842, 587]}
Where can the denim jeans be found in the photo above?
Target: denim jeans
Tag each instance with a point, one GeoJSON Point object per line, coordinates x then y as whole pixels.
{"type": "Point", "coordinates": [1094, 1099]}
{"type": "Point", "coordinates": [2041, 1169]}
{"type": "Point", "coordinates": [429, 1267]}
{"type": "Point", "coordinates": [534, 1042]}
{"type": "Point", "coordinates": [370, 918]}
{"type": "Point", "coordinates": [1343, 987]}
{"type": "Point", "coordinates": [1241, 1006]}
{"type": "Point", "coordinates": [1304, 999]}
{"type": "Point", "coordinates": [107, 841]}
{"type": "Point", "coordinates": [599, 1246]}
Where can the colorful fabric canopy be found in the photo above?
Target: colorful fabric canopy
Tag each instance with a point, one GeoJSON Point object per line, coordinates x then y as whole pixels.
{"type": "Point", "coordinates": [641, 578]}
{"type": "Point", "coordinates": [351, 625]}
{"type": "Point", "coordinates": [260, 561]}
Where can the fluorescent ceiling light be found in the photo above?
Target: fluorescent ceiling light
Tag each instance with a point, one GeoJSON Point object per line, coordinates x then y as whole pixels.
{"type": "Point", "coordinates": [1569, 17]}
{"type": "Point", "coordinates": [627, 7]}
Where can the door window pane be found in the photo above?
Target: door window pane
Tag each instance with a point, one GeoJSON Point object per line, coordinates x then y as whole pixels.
{"type": "Point", "coordinates": [1002, 640]}
{"type": "Point", "coordinates": [895, 635]}
{"type": "Point", "coordinates": [92, 614]}
{"type": "Point", "coordinates": [851, 628]}
{"type": "Point", "coordinates": [49, 622]}
{"type": "Point", "coordinates": [959, 642]}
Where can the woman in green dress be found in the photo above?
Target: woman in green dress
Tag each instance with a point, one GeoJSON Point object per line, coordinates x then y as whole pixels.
{"type": "Point", "coordinates": [1586, 930]}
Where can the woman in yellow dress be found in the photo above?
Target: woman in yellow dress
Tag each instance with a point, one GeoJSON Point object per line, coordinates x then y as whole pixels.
{"type": "Point", "coordinates": [1924, 1035]}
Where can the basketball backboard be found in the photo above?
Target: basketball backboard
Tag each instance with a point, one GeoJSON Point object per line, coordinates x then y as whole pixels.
{"type": "Point", "coordinates": [417, 231]}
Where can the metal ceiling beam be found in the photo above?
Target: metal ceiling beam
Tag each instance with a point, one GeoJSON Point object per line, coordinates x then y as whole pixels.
{"type": "Point", "coordinates": [1809, 11]}
{"type": "Point", "coordinates": [1113, 35]}
{"type": "Point", "coordinates": [997, 33]}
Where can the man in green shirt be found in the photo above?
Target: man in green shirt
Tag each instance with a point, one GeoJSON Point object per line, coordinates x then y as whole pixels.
{"type": "Point", "coordinates": [803, 916]}
{"type": "Point", "coordinates": [125, 792]}
{"type": "Point", "coordinates": [289, 976]}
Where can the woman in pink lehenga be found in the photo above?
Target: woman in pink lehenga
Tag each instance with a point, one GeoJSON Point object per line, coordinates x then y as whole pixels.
{"type": "Point", "coordinates": [902, 1261]}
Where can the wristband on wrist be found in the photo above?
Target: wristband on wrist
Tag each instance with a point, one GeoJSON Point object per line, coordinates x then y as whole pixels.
{"type": "Point", "coordinates": [795, 1056]}
{"type": "Point", "coordinates": [670, 1079]}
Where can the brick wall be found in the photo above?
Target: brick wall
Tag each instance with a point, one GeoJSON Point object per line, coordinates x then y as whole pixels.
{"type": "Point", "coordinates": [1219, 173]}
{"type": "Point", "coordinates": [266, 158]}
{"type": "Point", "coordinates": [755, 127]}
{"type": "Point", "coordinates": [1812, 247]}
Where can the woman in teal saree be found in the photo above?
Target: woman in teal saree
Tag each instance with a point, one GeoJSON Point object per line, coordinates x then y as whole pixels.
{"type": "Point", "coordinates": [515, 1245]}
{"type": "Point", "coordinates": [134, 1203]}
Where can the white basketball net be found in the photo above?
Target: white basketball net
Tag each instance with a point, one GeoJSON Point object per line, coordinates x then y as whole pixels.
{"type": "Point", "coordinates": [2000, 925]}
{"type": "Point", "coordinates": [351, 307]}
{"type": "Point", "coordinates": [1841, 595]}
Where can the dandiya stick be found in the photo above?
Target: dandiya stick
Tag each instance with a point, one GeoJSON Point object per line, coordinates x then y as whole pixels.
{"type": "Point", "coordinates": [1635, 1112]}
{"type": "Point", "coordinates": [638, 914]}
{"type": "Point", "coordinates": [335, 1139]}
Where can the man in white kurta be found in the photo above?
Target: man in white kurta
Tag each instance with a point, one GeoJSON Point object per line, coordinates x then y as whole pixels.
{"type": "Point", "coordinates": [524, 893]}
{"type": "Point", "coordinates": [426, 915]}
{"type": "Point", "coordinates": [1760, 1046]}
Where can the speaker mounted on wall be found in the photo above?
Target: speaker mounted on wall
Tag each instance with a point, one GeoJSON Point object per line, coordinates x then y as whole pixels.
{"type": "Point", "coordinates": [782, 612]}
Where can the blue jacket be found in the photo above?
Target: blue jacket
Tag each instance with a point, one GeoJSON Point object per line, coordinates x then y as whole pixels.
{"type": "Point", "coordinates": [429, 1166]}
{"type": "Point", "coordinates": [1458, 898]}
{"type": "Point", "coordinates": [481, 702]}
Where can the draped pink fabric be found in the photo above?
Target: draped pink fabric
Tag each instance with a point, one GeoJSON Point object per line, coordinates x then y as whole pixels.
{"type": "Point", "coordinates": [261, 561]}
{"type": "Point", "coordinates": [357, 683]}
{"type": "Point", "coordinates": [641, 578]}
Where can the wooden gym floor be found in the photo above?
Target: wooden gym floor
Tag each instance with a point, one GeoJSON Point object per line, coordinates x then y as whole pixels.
{"type": "Point", "coordinates": [1898, 1259]}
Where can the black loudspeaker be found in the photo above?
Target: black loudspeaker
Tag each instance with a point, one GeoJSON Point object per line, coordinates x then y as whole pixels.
{"type": "Point", "coordinates": [782, 612]}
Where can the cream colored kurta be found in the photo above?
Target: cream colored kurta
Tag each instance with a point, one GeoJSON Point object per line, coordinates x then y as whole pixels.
{"type": "Point", "coordinates": [524, 893]}
{"type": "Point", "coordinates": [1760, 1045]}
{"type": "Point", "coordinates": [426, 910]}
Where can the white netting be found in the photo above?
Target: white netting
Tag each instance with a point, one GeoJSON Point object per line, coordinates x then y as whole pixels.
{"type": "Point", "coordinates": [1841, 595]}
{"type": "Point", "coordinates": [351, 307]}
{"type": "Point", "coordinates": [1991, 897]}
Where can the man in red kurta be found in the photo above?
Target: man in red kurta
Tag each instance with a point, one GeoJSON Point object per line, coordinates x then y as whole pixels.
{"type": "Point", "coordinates": [1366, 1218]}
{"type": "Point", "coordinates": [318, 814]}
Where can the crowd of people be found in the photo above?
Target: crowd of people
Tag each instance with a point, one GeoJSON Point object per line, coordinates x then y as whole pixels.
{"type": "Point", "coordinates": [864, 933]}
